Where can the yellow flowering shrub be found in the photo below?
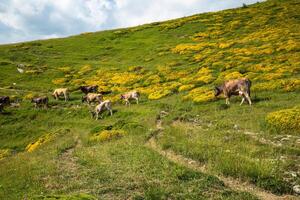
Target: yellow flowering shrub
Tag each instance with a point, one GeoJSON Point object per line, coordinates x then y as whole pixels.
{"type": "Point", "coordinates": [265, 86]}
{"type": "Point", "coordinates": [5, 153]}
{"type": "Point", "coordinates": [159, 94]}
{"type": "Point", "coordinates": [153, 79]}
{"type": "Point", "coordinates": [124, 78]}
{"type": "Point", "coordinates": [59, 81]}
{"type": "Point", "coordinates": [269, 76]}
{"type": "Point", "coordinates": [232, 75]}
{"type": "Point", "coordinates": [291, 85]}
{"type": "Point", "coordinates": [173, 85]}
{"type": "Point", "coordinates": [201, 94]}
{"type": "Point", "coordinates": [186, 87]}
{"type": "Point", "coordinates": [260, 68]}
{"type": "Point", "coordinates": [85, 69]}
{"type": "Point", "coordinates": [186, 48]}
{"type": "Point", "coordinates": [225, 45]}
{"type": "Point", "coordinates": [65, 70]}
{"type": "Point", "coordinates": [204, 75]}
{"type": "Point", "coordinates": [107, 135]}
{"type": "Point", "coordinates": [205, 79]}
{"type": "Point", "coordinates": [199, 57]}
{"type": "Point", "coordinates": [291, 45]}
{"type": "Point", "coordinates": [285, 120]}
{"type": "Point", "coordinates": [43, 139]}
{"type": "Point", "coordinates": [29, 96]}
{"type": "Point", "coordinates": [77, 82]}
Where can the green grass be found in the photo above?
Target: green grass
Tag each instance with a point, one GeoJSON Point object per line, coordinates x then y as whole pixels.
{"type": "Point", "coordinates": [233, 141]}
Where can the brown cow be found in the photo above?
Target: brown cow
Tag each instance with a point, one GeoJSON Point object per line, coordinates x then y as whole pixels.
{"type": "Point", "coordinates": [235, 87]}
{"type": "Point", "coordinates": [104, 105]}
{"type": "Point", "coordinates": [131, 95]}
{"type": "Point", "coordinates": [5, 100]}
{"type": "Point", "coordinates": [92, 97]}
{"type": "Point", "coordinates": [39, 101]}
{"type": "Point", "coordinates": [89, 89]}
{"type": "Point", "coordinates": [61, 92]}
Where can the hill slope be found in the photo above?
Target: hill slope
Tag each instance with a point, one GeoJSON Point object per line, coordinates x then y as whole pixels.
{"type": "Point", "coordinates": [62, 153]}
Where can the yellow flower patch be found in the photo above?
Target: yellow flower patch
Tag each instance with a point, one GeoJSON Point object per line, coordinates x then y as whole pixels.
{"type": "Point", "coordinates": [107, 135]}
{"type": "Point", "coordinates": [225, 45]}
{"type": "Point", "coordinates": [65, 70]}
{"type": "Point", "coordinates": [159, 94]}
{"type": "Point", "coordinates": [291, 85]}
{"type": "Point", "coordinates": [200, 95]}
{"type": "Point", "coordinates": [29, 96]}
{"type": "Point", "coordinates": [269, 76]}
{"type": "Point", "coordinates": [85, 69]}
{"type": "Point", "coordinates": [59, 81]}
{"type": "Point", "coordinates": [186, 48]}
{"type": "Point", "coordinates": [265, 86]}
{"type": "Point", "coordinates": [285, 120]}
{"type": "Point", "coordinates": [5, 153]}
{"type": "Point", "coordinates": [42, 140]}
{"type": "Point", "coordinates": [186, 87]}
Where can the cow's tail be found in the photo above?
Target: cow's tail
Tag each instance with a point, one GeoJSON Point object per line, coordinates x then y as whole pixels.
{"type": "Point", "coordinates": [248, 84]}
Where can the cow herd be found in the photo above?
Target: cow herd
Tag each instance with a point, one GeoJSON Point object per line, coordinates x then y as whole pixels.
{"type": "Point", "coordinates": [238, 87]}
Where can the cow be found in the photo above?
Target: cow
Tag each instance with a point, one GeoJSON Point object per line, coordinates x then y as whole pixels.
{"type": "Point", "coordinates": [235, 87]}
{"type": "Point", "coordinates": [92, 97]}
{"type": "Point", "coordinates": [130, 95]}
{"type": "Point", "coordinates": [5, 100]}
{"type": "Point", "coordinates": [39, 101]}
{"type": "Point", "coordinates": [104, 105]}
{"type": "Point", "coordinates": [89, 89]}
{"type": "Point", "coordinates": [61, 92]}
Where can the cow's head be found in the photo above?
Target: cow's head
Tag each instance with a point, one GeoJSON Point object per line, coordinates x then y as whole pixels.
{"type": "Point", "coordinates": [122, 96]}
{"type": "Point", "coordinates": [218, 91]}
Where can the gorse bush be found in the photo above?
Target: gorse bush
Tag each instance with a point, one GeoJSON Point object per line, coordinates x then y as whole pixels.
{"type": "Point", "coordinates": [40, 141]}
{"type": "Point", "coordinates": [287, 120]}
{"type": "Point", "coordinates": [107, 135]}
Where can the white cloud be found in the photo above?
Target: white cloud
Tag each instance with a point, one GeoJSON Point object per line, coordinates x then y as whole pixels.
{"type": "Point", "coordinates": [22, 20]}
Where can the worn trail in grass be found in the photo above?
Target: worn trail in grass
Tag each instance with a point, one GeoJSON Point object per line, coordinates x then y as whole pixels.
{"type": "Point", "coordinates": [230, 182]}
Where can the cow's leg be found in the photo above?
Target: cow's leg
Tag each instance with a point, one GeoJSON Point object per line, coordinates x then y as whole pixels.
{"type": "Point", "coordinates": [242, 101]}
{"type": "Point", "coordinates": [248, 99]}
{"type": "Point", "coordinates": [110, 111]}
{"type": "Point", "coordinates": [137, 100]}
{"type": "Point", "coordinates": [97, 115]}
{"type": "Point", "coordinates": [227, 101]}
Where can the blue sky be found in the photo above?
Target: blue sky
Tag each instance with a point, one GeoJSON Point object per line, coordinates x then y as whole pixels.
{"type": "Point", "coordinates": [24, 20]}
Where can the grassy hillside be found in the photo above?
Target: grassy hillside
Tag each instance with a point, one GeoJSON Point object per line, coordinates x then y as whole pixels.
{"type": "Point", "coordinates": [147, 151]}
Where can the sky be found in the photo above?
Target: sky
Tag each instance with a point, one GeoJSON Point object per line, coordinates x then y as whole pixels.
{"type": "Point", "coordinates": [25, 20]}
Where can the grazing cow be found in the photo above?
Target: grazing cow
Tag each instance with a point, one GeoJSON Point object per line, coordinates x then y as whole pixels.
{"type": "Point", "coordinates": [236, 87]}
{"type": "Point", "coordinates": [92, 97]}
{"type": "Point", "coordinates": [4, 100]}
{"type": "Point", "coordinates": [39, 101]}
{"type": "Point", "coordinates": [104, 105]}
{"type": "Point", "coordinates": [61, 92]}
{"type": "Point", "coordinates": [131, 95]}
{"type": "Point", "coordinates": [89, 89]}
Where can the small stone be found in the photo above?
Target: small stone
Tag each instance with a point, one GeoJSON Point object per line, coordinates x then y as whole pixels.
{"type": "Point", "coordinates": [296, 189]}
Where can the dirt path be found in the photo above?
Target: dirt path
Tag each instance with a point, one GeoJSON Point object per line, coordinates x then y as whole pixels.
{"type": "Point", "coordinates": [234, 184]}
{"type": "Point", "coordinates": [68, 171]}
